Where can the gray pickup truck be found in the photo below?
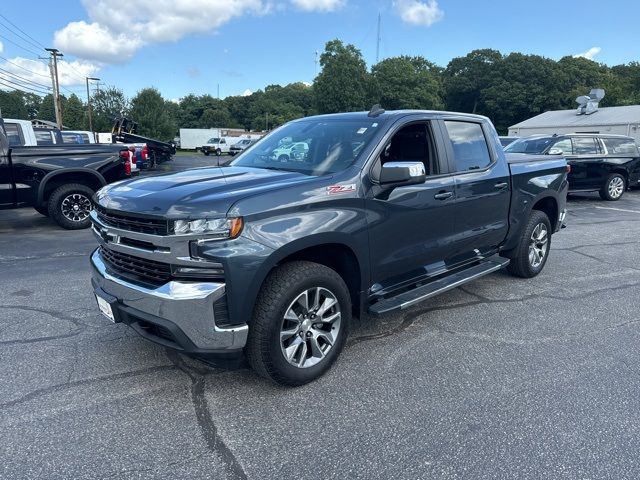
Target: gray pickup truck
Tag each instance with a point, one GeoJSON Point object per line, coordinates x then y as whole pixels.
{"type": "Point", "coordinates": [270, 259]}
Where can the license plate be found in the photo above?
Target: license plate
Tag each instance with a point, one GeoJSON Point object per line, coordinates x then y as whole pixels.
{"type": "Point", "coordinates": [105, 308]}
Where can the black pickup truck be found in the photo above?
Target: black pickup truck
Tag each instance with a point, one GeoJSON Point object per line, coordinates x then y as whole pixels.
{"type": "Point", "coordinates": [272, 258]}
{"type": "Point", "coordinates": [58, 180]}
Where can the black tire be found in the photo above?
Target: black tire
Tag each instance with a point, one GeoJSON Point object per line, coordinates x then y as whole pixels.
{"type": "Point", "coordinates": [283, 158]}
{"type": "Point", "coordinates": [76, 193]}
{"type": "Point", "coordinates": [263, 350]}
{"type": "Point", "coordinates": [613, 188]}
{"type": "Point", "coordinates": [218, 152]}
{"type": "Point", "coordinates": [206, 152]}
{"type": "Point", "coordinates": [521, 264]}
{"type": "Point", "coordinates": [42, 210]}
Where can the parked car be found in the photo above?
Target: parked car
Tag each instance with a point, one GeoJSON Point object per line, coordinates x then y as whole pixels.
{"type": "Point", "coordinates": [217, 146]}
{"type": "Point", "coordinates": [59, 180]}
{"type": "Point", "coordinates": [240, 146]}
{"type": "Point", "coordinates": [47, 136]}
{"type": "Point", "coordinates": [291, 151]}
{"type": "Point", "coordinates": [272, 259]}
{"type": "Point", "coordinates": [608, 164]}
{"type": "Point", "coordinates": [505, 141]}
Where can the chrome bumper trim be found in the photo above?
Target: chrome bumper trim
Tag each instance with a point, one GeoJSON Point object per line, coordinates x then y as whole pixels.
{"type": "Point", "coordinates": [189, 305]}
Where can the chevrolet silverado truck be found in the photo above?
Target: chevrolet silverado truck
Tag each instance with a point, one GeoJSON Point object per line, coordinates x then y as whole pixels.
{"type": "Point", "coordinates": [272, 260]}
{"type": "Point", "coordinates": [58, 180]}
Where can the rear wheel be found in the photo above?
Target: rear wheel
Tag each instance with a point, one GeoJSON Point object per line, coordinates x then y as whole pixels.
{"type": "Point", "coordinates": [69, 206]}
{"type": "Point", "coordinates": [613, 187]}
{"type": "Point", "coordinates": [530, 256]}
{"type": "Point", "coordinates": [206, 152]}
{"type": "Point", "coordinates": [300, 323]}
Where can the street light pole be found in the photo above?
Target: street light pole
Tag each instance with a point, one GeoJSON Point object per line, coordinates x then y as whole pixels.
{"type": "Point", "coordinates": [89, 101]}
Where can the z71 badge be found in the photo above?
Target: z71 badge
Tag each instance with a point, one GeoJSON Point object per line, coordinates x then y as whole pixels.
{"type": "Point", "coordinates": [335, 189]}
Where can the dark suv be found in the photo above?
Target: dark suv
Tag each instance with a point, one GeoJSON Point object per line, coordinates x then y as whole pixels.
{"type": "Point", "coordinates": [608, 164]}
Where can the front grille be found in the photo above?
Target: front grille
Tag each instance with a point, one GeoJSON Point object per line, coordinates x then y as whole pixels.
{"type": "Point", "coordinates": [132, 223]}
{"type": "Point", "coordinates": [136, 268]}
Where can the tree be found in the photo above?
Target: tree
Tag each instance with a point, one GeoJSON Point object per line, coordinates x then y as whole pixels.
{"type": "Point", "coordinates": [32, 102]}
{"type": "Point", "coordinates": [47, 111]}
{"type": "Point", "coordinates": [13, 105]}
{"type": "Point", "coordinates": [342, 84]}
{"type": "Point", "coordinates": [106, 104]}
{"type": "Point", "coordinates": [148, 109]}
{"type": "Point", "coordinates": [74, 113]}
{"type": "Point", "coordinates": [407, 82]}
{"type": "Point", "coordinates": [466, 77]}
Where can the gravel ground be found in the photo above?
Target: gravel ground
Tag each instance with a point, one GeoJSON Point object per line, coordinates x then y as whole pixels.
{"type": "Point", "coordinates": [503, 378]}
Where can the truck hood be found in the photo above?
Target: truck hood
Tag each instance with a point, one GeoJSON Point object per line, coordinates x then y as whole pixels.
{"type": "Point", "coordinates": [197, 193]}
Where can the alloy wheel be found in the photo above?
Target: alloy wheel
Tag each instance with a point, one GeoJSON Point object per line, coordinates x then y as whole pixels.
{"type": "Point", "coordinates": [615, 187]}
{"type": "Point", "coordinates": [310, 327]}
{"type": "Point", "coordinates": [76, 207]}
{"type": "Point", "coordinates": [538, 245]}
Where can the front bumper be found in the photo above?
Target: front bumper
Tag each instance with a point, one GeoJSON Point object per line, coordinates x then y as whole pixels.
{"type": "Point", "coordinates": [177, 314]}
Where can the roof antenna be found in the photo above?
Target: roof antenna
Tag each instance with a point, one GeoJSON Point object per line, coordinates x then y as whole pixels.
{"type": "Point", "coordinates": [376, 111]}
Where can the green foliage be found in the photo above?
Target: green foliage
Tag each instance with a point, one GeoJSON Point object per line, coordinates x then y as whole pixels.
{"type": "Point", "coordinates": [342, 85]}
{"type": "Point", "coordinates": [74, 113]}
{"type": "Point", "coordinates": [407, 82]}
{"type": "Point", "coordinates": [106, 104]}
{"type": "Point", "coordinates": [47, 111]}
{"type": "Point", "coordinates": [148, 108]}
{"type": "Point", "coordinates": [13, 105]}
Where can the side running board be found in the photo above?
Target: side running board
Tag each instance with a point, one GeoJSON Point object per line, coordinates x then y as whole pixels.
{"type": "Point", "coordinates": [411, 297]}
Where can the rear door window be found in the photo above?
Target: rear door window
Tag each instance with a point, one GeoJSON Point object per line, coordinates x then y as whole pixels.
{"type": "Point", "coordinates": [564, 145]}
{"type": "Point", "coordinates": [625, 147]}
{"type": "Point", "coordinates": [469, 146]}
{"type": "Point", "coordinates": [15, 137]}
{"type": "Point", "coordinates": [585, 146]}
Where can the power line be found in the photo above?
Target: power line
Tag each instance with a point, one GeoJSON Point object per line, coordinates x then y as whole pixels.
{"type": "Point", "coordinates": [7, 72]}
{"type": "Point", "coordinates": [17, 86]}
{"type": "Point", "coordinates": [19, 46]}
{"type": "Point", "coordinates": [19, 36]}
{"type": "Point", "coordinates": [39, 45]}
{"type": "Point", "coordinates": [25, 69]}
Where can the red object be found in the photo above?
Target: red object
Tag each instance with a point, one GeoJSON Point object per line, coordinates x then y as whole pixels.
{"type": "Point", "coordinates": [126, 156]}
{"type": "Point", "coordinates": [132, 155]}
{"type": "Point", "coordinates": [145, 153]}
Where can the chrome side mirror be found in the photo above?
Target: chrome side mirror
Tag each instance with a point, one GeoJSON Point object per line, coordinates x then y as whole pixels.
{"type": "Point", "coordinates": [402, 173]}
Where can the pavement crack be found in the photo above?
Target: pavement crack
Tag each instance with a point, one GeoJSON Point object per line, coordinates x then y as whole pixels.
{"type": "Point", "coordinates": [204, 418]}
{"type": "Point", "coordinates": [88, 381]}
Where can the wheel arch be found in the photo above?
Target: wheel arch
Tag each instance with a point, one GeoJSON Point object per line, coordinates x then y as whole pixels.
{"type": "Point", "coordinates": [57, 178]}
{"type": "Point", "coordinates": [549, 206]}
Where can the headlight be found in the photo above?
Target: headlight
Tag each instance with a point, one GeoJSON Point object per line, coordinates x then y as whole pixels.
{"type": "Point", "coordinates": [221, 228]}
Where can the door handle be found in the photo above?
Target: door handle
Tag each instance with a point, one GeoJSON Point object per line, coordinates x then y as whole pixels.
{"type": "Point", "coordinates": [443, 195]}
{"type": "Point", "coordinates": [501, 185]}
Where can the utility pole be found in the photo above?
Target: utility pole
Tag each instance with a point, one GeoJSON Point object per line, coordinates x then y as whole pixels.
{"type": "Point", "coordinates": [266, 121]}
{"type": "Point", "coordinates": [378, 40]}
{"type": "Point", "coordinates": [89, 101]}
{"type": "Point", "coordinates": [316, 62]}
{"type": "Point", "coordinates": [56, 84]}
{"type": "Point", "coordinates": [218, 91]}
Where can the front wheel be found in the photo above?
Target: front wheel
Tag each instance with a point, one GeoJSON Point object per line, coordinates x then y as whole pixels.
{"type": "Point", "coordinates": [300, 323]}
{"type": "Point", "coordinates": [218, 152]}
{"type": "Point", "coordinates": [613, 187]}
{"type": "Point", "coordinates": [530, 256]}
{"type": "Point", "coordinates": [206, 152]}
{"type": "Point", "coordinates": [70, 205]}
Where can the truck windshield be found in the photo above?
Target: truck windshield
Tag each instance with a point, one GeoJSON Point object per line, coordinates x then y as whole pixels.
{"type": "Point", "coordinates": [311, 147]}
{"type": "Point", "coordinates": [530, 145]}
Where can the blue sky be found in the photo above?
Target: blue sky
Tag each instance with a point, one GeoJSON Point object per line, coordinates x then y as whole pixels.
{"type": "Point", "coordinates": [191, 46]}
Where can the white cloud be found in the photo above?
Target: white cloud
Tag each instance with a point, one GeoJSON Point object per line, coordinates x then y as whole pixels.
{"type": "Point", "coordinates": [319, 5]}
{"type": "Point", "coordinates": [246, 93]}
{"type": "Point", "coordinates": [416, 12]}
{"type": "Point", "coordinates": [26, 71]}
{"type": "Point", "coordinates": [114, 33]}
{"type": "Point", "coordinates": [589, 54]}
{"type": "Point", "coordinates": [1, 47]}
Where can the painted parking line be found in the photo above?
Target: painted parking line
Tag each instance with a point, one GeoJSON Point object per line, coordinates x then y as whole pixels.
{"type": "Point", "coordinates": [618, 209]}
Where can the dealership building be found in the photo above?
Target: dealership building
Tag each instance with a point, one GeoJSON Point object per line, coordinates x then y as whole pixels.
{"type": "Point", "coordinates": [613, 120]}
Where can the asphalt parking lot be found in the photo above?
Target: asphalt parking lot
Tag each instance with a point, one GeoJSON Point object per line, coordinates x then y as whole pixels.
{"type": "Point", "coordinates": [503, 378]}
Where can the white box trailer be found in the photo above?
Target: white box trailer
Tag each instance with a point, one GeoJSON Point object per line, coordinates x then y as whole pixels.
{"type": "Point", "coordinates": [192, 138]}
